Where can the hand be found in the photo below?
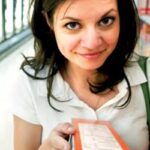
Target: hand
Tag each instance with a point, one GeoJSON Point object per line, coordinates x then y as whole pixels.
{"type": "Point", "coordinates": [57, 139]}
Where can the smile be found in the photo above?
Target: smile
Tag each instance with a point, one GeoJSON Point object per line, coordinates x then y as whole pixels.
{"type": "Point", "coordinates": [92, 55]}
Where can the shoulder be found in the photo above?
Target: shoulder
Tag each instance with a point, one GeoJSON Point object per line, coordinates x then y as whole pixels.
{"type": "Point", "coordinates": [27, 75]}
{"type": "Point", "coordinates": [135, 74]}
{"type": "Point", "coordinates": [25, 86]}
{"type": "Point", "coordinates": [27, 81]}
{"type": "Point", "coordinates": [24, 96]}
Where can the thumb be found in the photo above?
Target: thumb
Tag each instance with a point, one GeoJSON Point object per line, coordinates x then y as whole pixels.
{"type": "Point", "coordinates": [65, 128]}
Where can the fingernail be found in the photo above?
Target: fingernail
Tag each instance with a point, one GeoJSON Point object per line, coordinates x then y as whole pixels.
{"type": "Point", "coordinates": [70, 129]}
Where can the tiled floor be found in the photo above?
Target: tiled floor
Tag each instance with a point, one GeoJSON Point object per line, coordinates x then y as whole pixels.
{"type": "Point", "coordinates": [8, 66]}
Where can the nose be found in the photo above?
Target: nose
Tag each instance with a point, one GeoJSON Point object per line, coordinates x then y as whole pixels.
{"type": "Point", "coordinates": [91, 39]}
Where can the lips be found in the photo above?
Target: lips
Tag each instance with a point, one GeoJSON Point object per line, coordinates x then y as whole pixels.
{"type": "Point", "coordinates": [91, 55]}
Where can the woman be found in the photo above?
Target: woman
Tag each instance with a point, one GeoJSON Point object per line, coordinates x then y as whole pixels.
{"type": "Point", "coordinates": [80, 70]}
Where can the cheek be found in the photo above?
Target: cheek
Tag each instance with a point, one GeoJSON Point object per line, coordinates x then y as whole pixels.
{"type": "Point", "coordinates": [67, 43]}
{"type": "Point", "coordinates": [113, 40]}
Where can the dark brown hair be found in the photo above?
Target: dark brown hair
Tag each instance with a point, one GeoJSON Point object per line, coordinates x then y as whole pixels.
{"type": "Point", "coordinates": [48, 54]}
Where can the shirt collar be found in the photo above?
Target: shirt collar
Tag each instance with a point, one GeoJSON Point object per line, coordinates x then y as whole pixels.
{"type": "Point", "coordinates": [63, 91]}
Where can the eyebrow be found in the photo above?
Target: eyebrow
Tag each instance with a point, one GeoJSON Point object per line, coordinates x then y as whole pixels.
{"type": "Point", "coordinates": [76, 19]}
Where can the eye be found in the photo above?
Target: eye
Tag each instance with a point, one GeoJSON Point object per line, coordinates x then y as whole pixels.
{"type": "Point", "coordinates": [106, 21]}
{"type": "Point", "coordinates": [72, 25]}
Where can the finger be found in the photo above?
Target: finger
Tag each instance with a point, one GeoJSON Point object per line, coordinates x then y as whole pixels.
{"type": "Point", "coordinates": [60, 135]}
{"type": "Point", "coordinates": [65, 128]}
{"type": "Point", "coordinates": [60, 143]}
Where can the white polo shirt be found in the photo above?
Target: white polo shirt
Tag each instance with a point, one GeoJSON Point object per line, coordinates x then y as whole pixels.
{"type": "Point", "coordinates": [29, 102]}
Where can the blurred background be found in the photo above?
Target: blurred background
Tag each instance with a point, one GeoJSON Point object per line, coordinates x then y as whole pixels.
{"type": "Point", "coordinates": [16, 38]}
{"type": "Point", "coordinates": [143, 46]}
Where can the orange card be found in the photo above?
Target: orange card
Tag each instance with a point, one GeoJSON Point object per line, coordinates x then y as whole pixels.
{"type": "Point", "coordinates": [96, 135]}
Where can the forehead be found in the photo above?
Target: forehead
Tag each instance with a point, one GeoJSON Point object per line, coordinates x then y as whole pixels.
{"type": "Point", "coordinates": [77, 7]}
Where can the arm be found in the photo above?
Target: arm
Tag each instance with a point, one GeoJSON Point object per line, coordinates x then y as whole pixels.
{"type": "Point", "coordinates": [27, 136]}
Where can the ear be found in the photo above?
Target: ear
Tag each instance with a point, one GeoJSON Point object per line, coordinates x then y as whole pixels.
{"type": "Point", "coordinates": [47, 19]}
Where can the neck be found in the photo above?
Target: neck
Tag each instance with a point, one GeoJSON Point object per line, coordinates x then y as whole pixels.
{"type": "Point", "coordinates": [77, 79]}
{"type": "Point", "coordinates": [77, 74]}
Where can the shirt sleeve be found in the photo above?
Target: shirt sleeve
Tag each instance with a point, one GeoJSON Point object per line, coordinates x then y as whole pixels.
{"type": "Point", "coordinates": [22, 98]}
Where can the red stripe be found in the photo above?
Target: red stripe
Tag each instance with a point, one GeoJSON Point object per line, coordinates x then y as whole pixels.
{"type": "Point", "coordinates": [144, 11]}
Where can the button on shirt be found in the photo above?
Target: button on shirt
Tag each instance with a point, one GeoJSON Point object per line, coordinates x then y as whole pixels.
{"type": "Point", "coordinates": [29, 102]}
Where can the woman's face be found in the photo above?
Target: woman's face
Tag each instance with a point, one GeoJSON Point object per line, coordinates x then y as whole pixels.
{"type": "Point", "coordinates": [86, 31]}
